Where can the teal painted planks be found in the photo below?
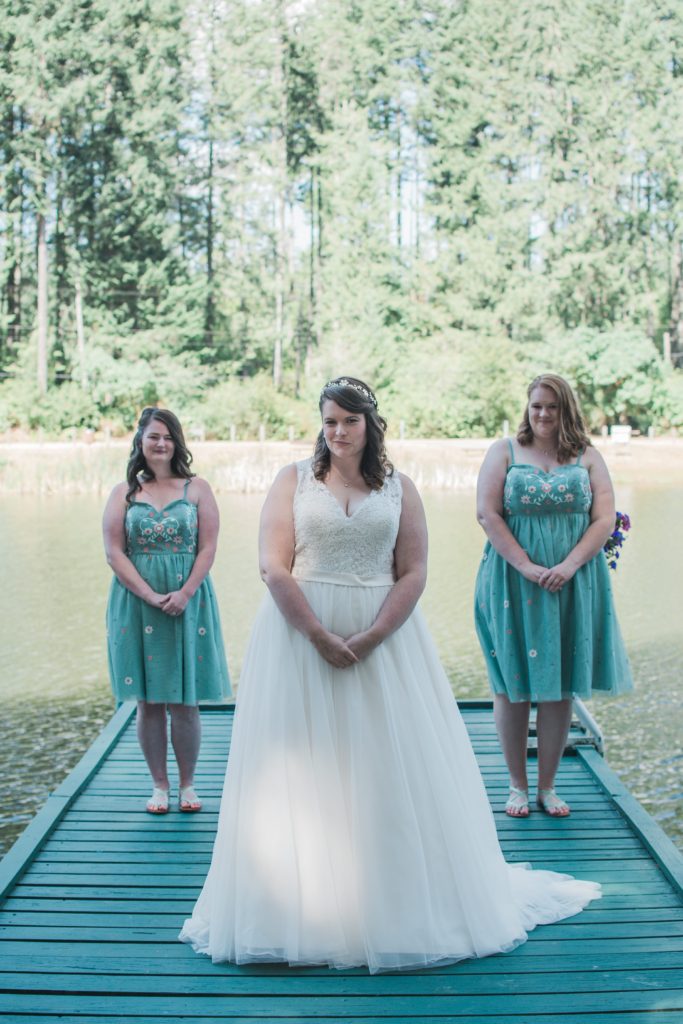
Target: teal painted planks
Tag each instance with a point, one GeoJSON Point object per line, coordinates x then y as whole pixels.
{"type": "Point", "coordinates": [627, 1017]}
{"type": "Point", "coordinates": [80, 958]}
{"type": "Point", "coordinates": [391, 1007]}
{"type": "Point", "coordinates": [89, 931]}
{"type": "Point", "coordinates": [364, 986]}
{"type": "Point", "coordinates": [35, 898]}
{"type": "Point", "coordinates": [44, 823]}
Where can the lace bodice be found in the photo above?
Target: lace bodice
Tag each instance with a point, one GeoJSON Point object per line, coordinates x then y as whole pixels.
{"type": "Point", "coordinates": [327, 540]}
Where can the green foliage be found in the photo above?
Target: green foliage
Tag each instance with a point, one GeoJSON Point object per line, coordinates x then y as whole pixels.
{"type": "Point", "coordinates": [127, 373]}
{"type": "Point", "coordinates": [619, 376]}
{"type": "Point", "coordinates": [674, 415]}
{"type": "Point", "coordinates": [468, 388]}
{"type": "Point", "coordinates": [62, 412]}
{"type": "Point", "coordinates": [441, 197]}
{"type": "Point", "coordinates": [246, 405]}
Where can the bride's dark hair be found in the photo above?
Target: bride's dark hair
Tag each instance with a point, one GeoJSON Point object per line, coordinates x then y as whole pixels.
{"type": "Point", "coordinates": [355, 396]}
{"type": "Point", "coordinates": [137, 467]}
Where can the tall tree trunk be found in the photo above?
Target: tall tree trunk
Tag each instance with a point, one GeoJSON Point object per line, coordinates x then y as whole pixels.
{"type": "Point", "coordinates": [399, 181]}
{"type": "Point", "coordinates": [319, 190]}
{"type": "Point", "coordinates": [677, 303]}
{"type": "Point", "coordinates": [42, 303]}
{"type": "Point", "coordinates": [320, 282]}
{"type": "Point", "coordinates": [279, 295]}
{"type": "Point", "coordinates": [301, 328]}
{"type": "Point", "coordinates": [14, 206]}
{"type": "Point", "coordinates": [280, 164]}
{"type": "Point", "coordinates": [14, 325]}
{"type": "Point", "coordinates": [416, 197]}
{"type": "Point", "coordinates": [80, 336]}
{"type": "Point", "coordinates": [209, 314]}
{"type": "Point", "coordinates": [312, 275]}
{"type": "Point", "coordinates": [60, 261]}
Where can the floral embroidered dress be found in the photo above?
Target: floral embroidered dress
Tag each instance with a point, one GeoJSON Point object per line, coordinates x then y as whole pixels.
{"type": "Point", "coordinates": [153, 656]}
{"type": "Point", "coordinates": [538, 645]}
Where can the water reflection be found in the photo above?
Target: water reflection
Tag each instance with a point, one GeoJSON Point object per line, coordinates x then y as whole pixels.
{"type": "Point", "coordinates": [54, 685]}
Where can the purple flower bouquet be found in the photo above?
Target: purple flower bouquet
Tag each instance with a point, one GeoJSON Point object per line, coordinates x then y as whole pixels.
{"type": "Point", "coordinates": [616, 539]}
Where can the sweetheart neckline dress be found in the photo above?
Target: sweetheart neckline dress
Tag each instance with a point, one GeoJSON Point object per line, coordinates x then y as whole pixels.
{"type": "Point", "coordinates": [153, 656]}
{"type": "Point", "coordinates": [538, 645]}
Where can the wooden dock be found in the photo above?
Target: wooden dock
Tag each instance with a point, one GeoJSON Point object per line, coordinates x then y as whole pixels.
{"type": "Point", "coordinates": [95, 891]}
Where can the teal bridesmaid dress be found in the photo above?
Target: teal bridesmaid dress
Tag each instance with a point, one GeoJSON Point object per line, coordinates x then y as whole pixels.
{"type": "Point", "coordinates": [153, 656]}
{"type": "Point", "coordinates": [538, 645]}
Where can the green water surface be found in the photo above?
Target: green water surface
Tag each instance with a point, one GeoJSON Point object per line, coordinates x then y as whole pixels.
{"type": "Point", "coordinates": [54, 680]}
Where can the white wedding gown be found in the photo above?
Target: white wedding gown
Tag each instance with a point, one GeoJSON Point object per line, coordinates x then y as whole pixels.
{"type": "Point", "coordinates": [354, 827]}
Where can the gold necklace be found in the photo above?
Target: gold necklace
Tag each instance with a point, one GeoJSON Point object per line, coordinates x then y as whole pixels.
{"type": "Point", "coordinates": [344, 482]}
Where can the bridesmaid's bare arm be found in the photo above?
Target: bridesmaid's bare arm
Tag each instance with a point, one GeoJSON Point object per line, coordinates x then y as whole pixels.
{"type": "Point", "coordinates": [490, 486]}
{"type": "Point", "coordinates": [208, 519]}
{"type": "Point", "coordinates": [601, 524]}
{"type": "Point", "coordinates": [115, 548]}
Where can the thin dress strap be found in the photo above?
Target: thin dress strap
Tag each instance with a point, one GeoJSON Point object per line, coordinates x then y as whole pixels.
{"type": "Point", "coordinates": [187, 484]}
{"type": "Point", "coordinates": [578, 461]}
{"type": "Point", "coordinates": [512, 452]}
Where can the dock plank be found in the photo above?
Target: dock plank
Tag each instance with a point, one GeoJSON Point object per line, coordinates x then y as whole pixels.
{"type": "Point", "coordinates": [615, 1017]}
{"type": "Point", "coordinates": [382, 986]}
{"type": "Point", "coordinates": [32, 958]}
{"type": "Point", "coordinates": [96, 894]}
{"type": "Point", "coordinates": [221, 1006]}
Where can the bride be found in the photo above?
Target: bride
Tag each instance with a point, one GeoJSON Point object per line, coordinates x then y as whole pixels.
{"type": "Point", "coordinates": [354, 825]}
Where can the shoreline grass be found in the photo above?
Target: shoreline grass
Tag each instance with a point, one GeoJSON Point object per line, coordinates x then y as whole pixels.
{"type": "Point", "coordinates": [249, 466]}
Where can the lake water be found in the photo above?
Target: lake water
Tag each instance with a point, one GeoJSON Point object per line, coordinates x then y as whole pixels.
{"type": "Point", "coordinates": [54, 679]}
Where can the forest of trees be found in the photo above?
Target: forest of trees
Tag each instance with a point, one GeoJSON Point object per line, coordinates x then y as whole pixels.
{"type": "Point", "coordinates": [215, 204]}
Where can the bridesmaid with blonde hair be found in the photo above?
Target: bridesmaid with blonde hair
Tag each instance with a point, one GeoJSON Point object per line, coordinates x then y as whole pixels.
{"type": "Point", "coordinates": [543, 604]}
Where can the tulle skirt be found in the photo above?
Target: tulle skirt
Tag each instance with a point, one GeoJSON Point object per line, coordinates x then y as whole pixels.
{"type": "Point", "coordinates": [354, 826]}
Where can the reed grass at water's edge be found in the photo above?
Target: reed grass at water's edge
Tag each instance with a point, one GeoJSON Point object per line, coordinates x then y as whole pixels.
{"type": "Point", "coordinates": [249, 466]}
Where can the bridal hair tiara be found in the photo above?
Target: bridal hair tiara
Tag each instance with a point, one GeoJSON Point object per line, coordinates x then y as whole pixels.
{"type": "Point", "coordinates": [344, 383]}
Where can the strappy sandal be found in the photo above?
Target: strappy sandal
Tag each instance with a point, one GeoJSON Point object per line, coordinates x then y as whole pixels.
{"type": "Point", "coordinates": [552, 804]}
{"type": "Point", "coordinates": [189, 802]}
{"type": "Point", "coordinates": [518, 803]}
{"type": "Point", "coordinates": [158, 802]}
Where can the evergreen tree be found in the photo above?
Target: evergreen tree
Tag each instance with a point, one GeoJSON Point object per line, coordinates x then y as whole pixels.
{"type": "Point", "coordinates": [197, 193]}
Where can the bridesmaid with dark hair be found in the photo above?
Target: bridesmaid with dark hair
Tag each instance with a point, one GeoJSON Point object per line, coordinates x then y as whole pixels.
{"type": "Point", "coordinates": [164, 633]}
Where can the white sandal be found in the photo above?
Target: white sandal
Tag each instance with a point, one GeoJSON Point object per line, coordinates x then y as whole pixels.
{"type": "Point", "coordinates": [188, 801]}
{"type": "Point", "coordinates": [552, 804]}
{"type": "Point", "coordinates": [518, 803]}
{"type": "Point", "coordinates": [158, 802]}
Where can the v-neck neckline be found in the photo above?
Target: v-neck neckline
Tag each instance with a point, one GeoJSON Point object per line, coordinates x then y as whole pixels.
{"type": "Point", "coordinates": [339, 505]}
